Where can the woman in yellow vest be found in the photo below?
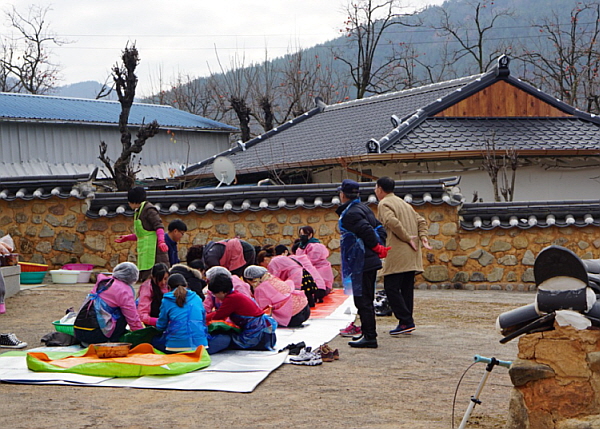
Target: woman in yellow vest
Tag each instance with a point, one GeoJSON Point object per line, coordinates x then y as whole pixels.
{"type": "Point", "coordinates": [149, 233]}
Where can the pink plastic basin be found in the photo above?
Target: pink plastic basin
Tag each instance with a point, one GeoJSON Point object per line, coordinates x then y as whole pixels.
{"type": "Point", "coordinates": [78, 267]}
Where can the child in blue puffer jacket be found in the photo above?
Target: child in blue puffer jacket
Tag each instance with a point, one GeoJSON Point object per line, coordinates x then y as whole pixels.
{"type": "Point", "coordinates": [182, 317]}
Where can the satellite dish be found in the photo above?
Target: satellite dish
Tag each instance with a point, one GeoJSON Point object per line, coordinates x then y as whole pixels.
{"type": "Point", "coordinates": [224, 170]}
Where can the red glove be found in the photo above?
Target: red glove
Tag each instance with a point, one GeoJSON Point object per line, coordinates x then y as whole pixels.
{"type": "Point", "coordinates": [160, 235]}
{"type": "Point", "coordinates": [124, 238]}
{"type": "Point", "coordinates": [381, 250]}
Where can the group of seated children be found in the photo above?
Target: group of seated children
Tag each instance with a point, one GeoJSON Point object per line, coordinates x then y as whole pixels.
{"type": "Point", "coordinates": [237, 303]}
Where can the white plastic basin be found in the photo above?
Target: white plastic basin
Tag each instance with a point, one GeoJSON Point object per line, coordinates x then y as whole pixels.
{"type": "Point", "coordinates": [64, 276]}
{"type": "Point", "coordinates": [84, 276]}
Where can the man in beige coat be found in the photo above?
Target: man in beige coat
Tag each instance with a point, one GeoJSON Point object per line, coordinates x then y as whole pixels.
{"type": "Point", "coordinates": [406, 231]}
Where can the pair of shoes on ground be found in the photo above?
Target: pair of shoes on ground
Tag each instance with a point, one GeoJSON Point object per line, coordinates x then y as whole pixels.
{"type": "Point", "coordinates": [327, 353]}
{"type": "Point", "coordinates": [294, 348]}
{"type": "Point", "coordinates": [351, 330]}
{"type": "Point", "coordinates": [306, 357]}
{"type": "Point", "coordinates": [10, 341]}
{"type": "Point", "coordinates": [403, 329]}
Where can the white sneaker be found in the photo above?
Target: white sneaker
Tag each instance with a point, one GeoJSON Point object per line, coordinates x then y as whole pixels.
{"type": "Point", "coordinates": [306, 357]}
{"type": "Point", "coordinates": [10, 341]}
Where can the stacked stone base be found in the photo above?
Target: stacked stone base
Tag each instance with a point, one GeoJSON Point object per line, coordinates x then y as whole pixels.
{"type": "Point", "coordinates": [557, 380]}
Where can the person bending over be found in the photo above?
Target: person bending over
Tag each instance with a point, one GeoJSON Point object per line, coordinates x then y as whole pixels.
{"type": "Point", "coordinates": [289, 307]}
{"type": "Point", "coordinates": [257, 330]}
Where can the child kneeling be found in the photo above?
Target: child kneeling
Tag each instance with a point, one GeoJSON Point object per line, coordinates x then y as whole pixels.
{"type": "Point", "coordinates": [257, 330]}
{"type": "Point", "coordinates": [182, 318]}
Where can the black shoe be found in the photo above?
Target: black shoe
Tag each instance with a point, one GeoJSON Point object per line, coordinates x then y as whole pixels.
{"type": "Point", "coordinates": [357, 337]}
{"type": "Point", "coordinates": [363, 343]}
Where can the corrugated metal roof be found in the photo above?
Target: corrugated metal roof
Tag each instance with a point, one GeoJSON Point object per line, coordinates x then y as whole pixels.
{"type": "Point", "coordinates": [45, 108]}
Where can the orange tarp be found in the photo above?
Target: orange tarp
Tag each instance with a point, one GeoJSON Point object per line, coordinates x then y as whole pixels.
{"type": "Point", "coordinates": [140, 355]}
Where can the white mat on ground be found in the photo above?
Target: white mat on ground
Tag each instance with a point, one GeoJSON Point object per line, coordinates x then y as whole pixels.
{"type": "Point", "coordinates": [230, 371]}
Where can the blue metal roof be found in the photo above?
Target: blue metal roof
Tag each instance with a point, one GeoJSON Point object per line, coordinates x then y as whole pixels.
{"type": "Point", "coordinates": [43, 108]}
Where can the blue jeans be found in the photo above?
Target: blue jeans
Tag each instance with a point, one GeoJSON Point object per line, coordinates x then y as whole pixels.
{"type": "Point", "coordinates": [217, 343]}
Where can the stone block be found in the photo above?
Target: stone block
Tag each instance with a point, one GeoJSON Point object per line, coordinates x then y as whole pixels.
{"type": "Point", "coordinates": [434, 229]}
{"type": "Point", "coordinates": [523, 371]}
{"type": "Point", "coordinates": [88, 258]}
{"type": "Point", "coordinates": [528, 277]}
{"type": "Point", "coordinates": [324, 230]}
{"type": "Point", "coordinates": [436, 273]}
{"type": "Point", "coordinates": [486, 259]}
{"type": "Point", "coordinates": [583, 244]}
{"type": "Point", "coordinates": [52, 220]}
{"type": "Point", "coordinates": [477, 276]}
{"type": "Point", "coordinates": [459, 261]}
{"type": "Point", "coordinates": [509, 260]}
{"type": "Point", "coordinates": [500, 246]}
{"type": "Point", "coordinates": [528, 258]}
{"type": "Point", "coordinates": [334, 243]}
{"type": "Point", "coordinates": [224, 228]}
{"type": "Point", "coordinates": [467, 243]}
{"type": "Point", "coordinates": [436, 244]}
{"type": "Point", "coordinates": [449, 229]}
{"type": "Point", "coordinates": [452, 244]}
{"type": "Point", "coordinates": [520, 242]}
{"type": "Point", "coordinates": [496, 274]}
{"type": "Point", "coordinates": [335, 258]}
{"type": "Point", "coordinates": [461, 277]}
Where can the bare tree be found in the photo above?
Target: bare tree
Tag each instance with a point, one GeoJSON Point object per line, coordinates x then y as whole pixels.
{"type": "Point", "coordinates": [366, 25]}
{"type": "Point", "coordinates": [472, 33]}
{"type": "Point", "coordinates": [25, 60]}
{"type": "Point", "coordinates": [234, 86]}
{"type": "Point", "coordinates": [568, 66]}
{"type": "Point", "coordinates": [496, 163]}
{"type": "Point", "coordinates": [126, 81]}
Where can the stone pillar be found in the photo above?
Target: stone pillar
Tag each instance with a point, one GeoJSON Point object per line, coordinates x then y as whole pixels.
{"type": "Point", "coordinates": [556, 380]}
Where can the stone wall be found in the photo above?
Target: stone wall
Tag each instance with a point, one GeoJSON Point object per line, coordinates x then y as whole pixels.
{"type": "Point", "coordinates": [557, 380]}
{"type": "Point", "coordinates": [56, 231]}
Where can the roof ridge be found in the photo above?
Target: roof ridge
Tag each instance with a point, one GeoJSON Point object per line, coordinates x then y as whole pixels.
{"type": "Point", "coordinates": [419, 89]}
{"type": "Point", "coordinates": [91, 100]}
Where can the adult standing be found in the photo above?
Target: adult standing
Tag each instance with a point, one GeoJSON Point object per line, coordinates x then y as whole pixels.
{"type": "Point", "coordinates": [361, 247]}
{"type": "Point", "coordinates": [406, 231]}
{"type": "Point", "coordinates": [149, 233]}
{"type": "Point", "coordinates": [177, 228]}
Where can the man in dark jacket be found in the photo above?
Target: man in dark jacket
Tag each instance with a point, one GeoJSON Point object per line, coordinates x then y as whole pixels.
{"type": "Point", "coordinates": [362, 238]}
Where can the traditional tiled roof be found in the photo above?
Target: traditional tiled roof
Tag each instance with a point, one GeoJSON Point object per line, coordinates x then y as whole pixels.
{"type": "Point", "coordinates": [43, 187]}
{"type": "Point", "coordinates": [238, 199]}
{"type": "Point", "coordinates": [48, 109]}
{"type": "Point", "coordinates": [522, 134]}
{"type": "Point", "coordinates": [329, 132]}
{"type": "Point", "coordinates": [524, 215]}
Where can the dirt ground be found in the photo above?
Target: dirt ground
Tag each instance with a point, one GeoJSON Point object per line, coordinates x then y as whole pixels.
{"type": "Point", "coordinates": [408, 382]}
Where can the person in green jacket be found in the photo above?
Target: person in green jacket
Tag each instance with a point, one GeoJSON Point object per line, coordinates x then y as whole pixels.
{"type": "Point", "coordinates": [149, 233]}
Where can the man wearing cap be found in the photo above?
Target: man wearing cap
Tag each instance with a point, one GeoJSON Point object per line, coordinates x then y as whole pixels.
{"type": "Point", "coordinates": [361, 247]}
{"type": "Point", "coordinates": [407, 231]}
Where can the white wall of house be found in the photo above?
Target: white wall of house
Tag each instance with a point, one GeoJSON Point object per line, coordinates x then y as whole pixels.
{"type": "Point", "coordinates": [45, 146]}
{"type": "Point", "coordinates": [575, 179]}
